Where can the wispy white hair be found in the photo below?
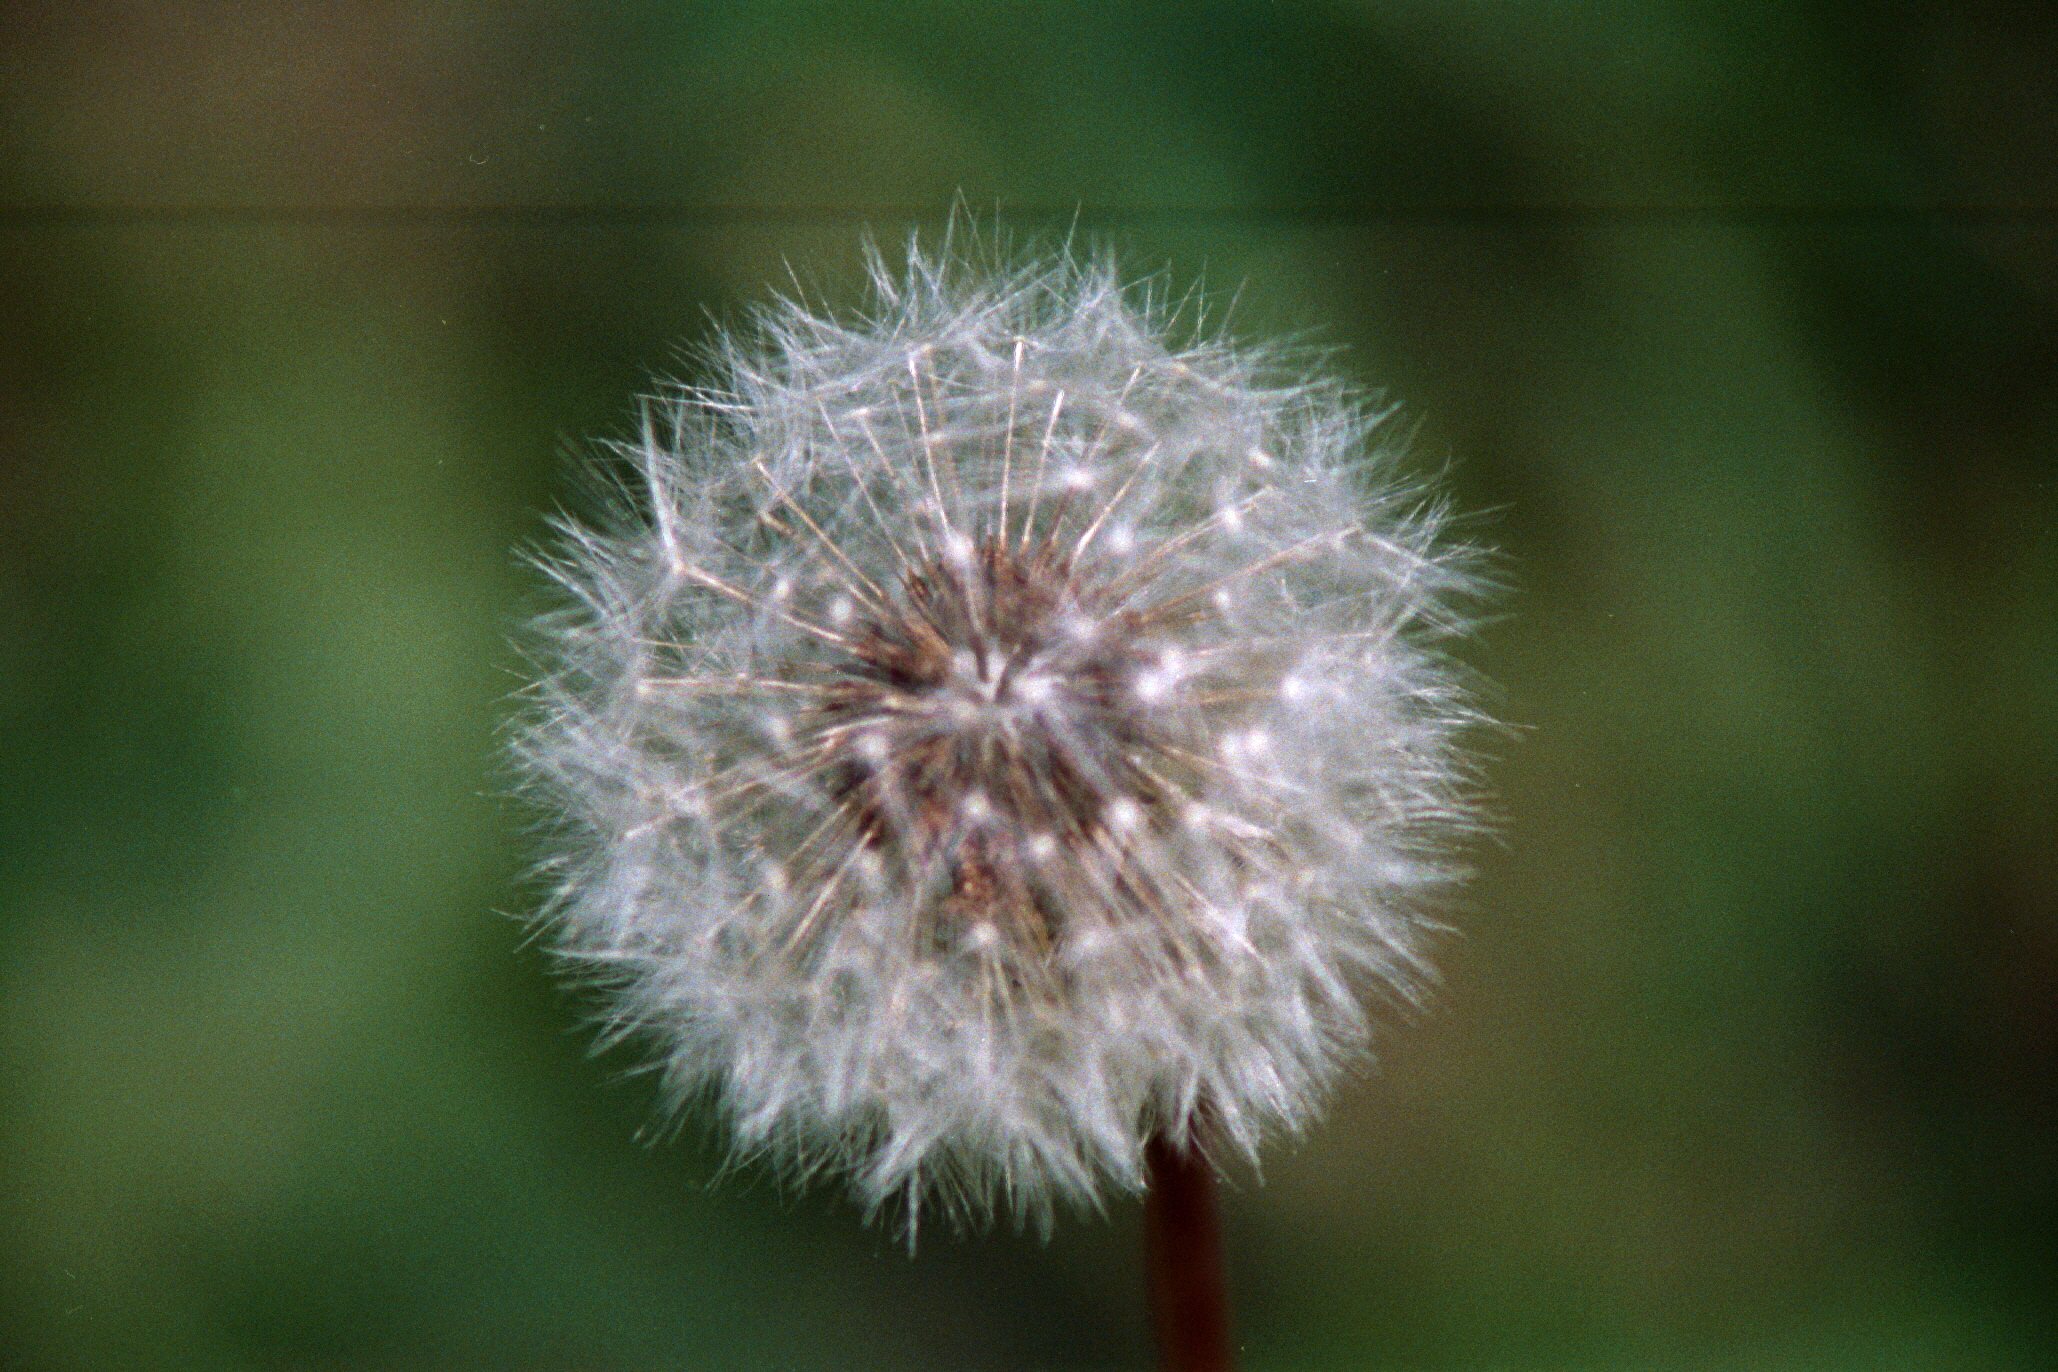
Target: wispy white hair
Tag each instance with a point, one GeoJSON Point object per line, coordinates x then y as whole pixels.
{"type": "Point", "coordinates": [988, 732]}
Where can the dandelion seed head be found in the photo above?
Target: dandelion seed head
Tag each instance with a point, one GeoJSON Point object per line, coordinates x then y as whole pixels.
{"type": "Point", "coordinates": [988, 732]}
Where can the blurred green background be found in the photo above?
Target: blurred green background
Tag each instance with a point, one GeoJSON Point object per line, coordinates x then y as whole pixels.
{"type": "Point", "coordinates": [1741, 323]}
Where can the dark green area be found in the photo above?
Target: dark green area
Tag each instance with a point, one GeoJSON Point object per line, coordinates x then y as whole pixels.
{"type": "Point", "coordinates": [1740, 323]}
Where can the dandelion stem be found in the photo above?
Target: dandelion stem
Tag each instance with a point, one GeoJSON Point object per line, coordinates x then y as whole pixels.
{"type": "Point", "coordinates": [1189, 1302]}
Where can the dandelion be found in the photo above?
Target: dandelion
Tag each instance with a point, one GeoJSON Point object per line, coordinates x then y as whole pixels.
{"type": "Point", "coordinates": [992, 736]}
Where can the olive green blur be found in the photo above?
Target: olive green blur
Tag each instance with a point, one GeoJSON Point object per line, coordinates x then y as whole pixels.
{"type": "Point", "coordinates": [1736, 327]}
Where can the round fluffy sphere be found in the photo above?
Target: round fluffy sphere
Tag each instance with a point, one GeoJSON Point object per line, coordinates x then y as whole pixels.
{"type": "Point", "coordinates": [989, 734]}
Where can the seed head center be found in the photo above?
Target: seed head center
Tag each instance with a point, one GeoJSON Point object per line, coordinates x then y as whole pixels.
{"type": "Point", "coordinates": [986, 725]}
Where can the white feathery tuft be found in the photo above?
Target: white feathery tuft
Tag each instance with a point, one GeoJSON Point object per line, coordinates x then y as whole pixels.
{"type": "Point", "coordinates": [988, 734]}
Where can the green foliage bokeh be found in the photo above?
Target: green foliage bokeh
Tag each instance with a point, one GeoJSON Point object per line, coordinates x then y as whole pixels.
{"type": "Point", "coordinates": [1740, 326]}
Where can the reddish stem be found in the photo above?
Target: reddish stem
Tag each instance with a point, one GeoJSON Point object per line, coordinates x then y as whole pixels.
{"type": "Point", "coordinates": [1184, 1238]}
